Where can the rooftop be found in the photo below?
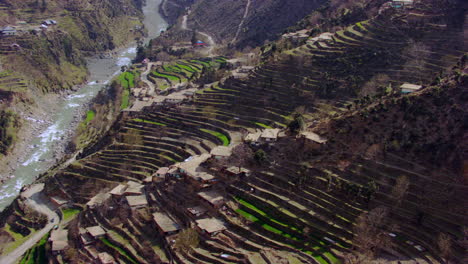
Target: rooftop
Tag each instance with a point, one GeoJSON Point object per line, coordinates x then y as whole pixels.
{"type": "Point", "coordinates": [96, 231]}
{"type": "Point", "coordinates": [197, 210]}
{"type": "Point", "coordinates": [212, 196]}
{"type": "Point", "coordinates": [137, 200]}
{"type": "Point", "coordinates": [59, 245]}
{"type": "Point", "coordinates": [221, 151]}
{"type": "Point", "coordinates": [314, 137]}
{"type": "Point", "coordinates": [190, 165]}
{"type": "Point", "coordinates": [59, 235]}
{"type": "Point", "coordinates": [98, 199]}
{"type": "Point", "coordinates": [119, 189]}
{"type": "Point", "coordinates": [211, 225]}
{"type": "Point", "coordinates": [236, 170]}
{"type": "Point", "coordinates": [409, 86]}
{"type": "Point", "coordinates": [165, 223]}
{"type": "Point", "coordinates": [253, 136]}
{"type": "Point", "coordinates": [270, 133]}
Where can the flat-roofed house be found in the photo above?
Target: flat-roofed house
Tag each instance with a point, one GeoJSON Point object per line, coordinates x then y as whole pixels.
{"type": "Point", "coordinates": [253, 138]}
{"type": "Point", "coordinates": [137, 201]}
{"type": "Point", "coordinates": [210, 226]}
{"type": "Point", "coordinates": [270, 134]}
{"type": "Point", "coordinates": [165, 224]}
{"type": "Point", "coordinates": [59, 240]}
{"type": "Point", "coordinates": [212, 198]}
{"type": "Point", "coordinates": [98, 199]}
{"type": "Point", "coordinates": [96, 231]}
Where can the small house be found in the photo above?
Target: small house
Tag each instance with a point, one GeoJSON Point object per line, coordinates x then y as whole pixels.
{"type": "Point", "coordinates": [210, 226]}
{"type": "Point", "coordinates": [138, 201]}
{"type": "Point", "coordinates": [133, 188]}
{"type": "Point", "coordinates": [118, 190]}
{"type": "Point", "coordinates": [197, 211]}
{"type": "Point", "coordinates": [162, 172]}
{"type": "Point", "coordinates": [97, 200]}
{"type": "Point", "coordinates": [96, 231]}
{"type": "Point", "coordinates": [409, 88]}
{"type": "Point", "coordinates": [235, 171]}
{"type": "Point", "coordinates": [106, 258]}
{"type": "Point", "coordinates": [270, 134]}
{"type": "Point", "coordinates": [221, 152]}
{"type": "Point", "coordinates": [92, 252]}
{"type": "Point", "coordinates": [253, 138]}
{"type": "Point", "coordinates": [59, 240]}
{"type": "Point", "coordinates": [165, 224]}
{"type": "Point", "coordinates": [212, 198]}
{"type": "Point", "coordinates": [85, 237]}
{"type": "Point", "coordinates": [49, 22]}
{"type": "Point", "coordinates": [8, 31]}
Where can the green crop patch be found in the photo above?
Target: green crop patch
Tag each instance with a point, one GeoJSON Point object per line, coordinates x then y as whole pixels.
{"type": "Point", "coordinates": [148, 121]}
{"type": "Point", "coordinates": [120, 250]}
{"type": "Point", "coordinates": [221, 136]}
{"type": "Point", "coordinates": [89, 116]}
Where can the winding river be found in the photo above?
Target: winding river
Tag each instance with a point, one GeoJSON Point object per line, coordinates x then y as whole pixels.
{"type": "Point", "coordinates": [44, 145]}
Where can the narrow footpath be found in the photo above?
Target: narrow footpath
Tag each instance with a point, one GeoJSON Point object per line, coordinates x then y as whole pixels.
{"type": "Point", "coordinates": [39, 203]}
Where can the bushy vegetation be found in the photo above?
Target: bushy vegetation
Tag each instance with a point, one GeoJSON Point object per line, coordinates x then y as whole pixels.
{"type": "Point", "coordinates": [37, 254]}
{"type": "Point", "coordinates": [9, 125]}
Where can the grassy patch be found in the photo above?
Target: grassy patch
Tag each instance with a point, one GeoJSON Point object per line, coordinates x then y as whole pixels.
{"type": "Point", "coordinates": [37, 254]}
{"type": "Point", "coordinates": [69, 213]}
{"type": "Point", "coordinates": [120, 250]}
{"type": "Point", "coordinates": [127, 80]}
{"type": "Point", "coordinates": [170, 77]}
{"type": "Point", "coordinates": [262, 125]}
{"type": "Point", "coordinates": [149, 122]}
{"type": "Point", "coordinates": [90, 116]}
{"type": "Point", "coordinates": [221, 136]}
{"type": "Point", "coordinates": [125, 99]}
{"type": "Point", "coordinates": [19, 240]}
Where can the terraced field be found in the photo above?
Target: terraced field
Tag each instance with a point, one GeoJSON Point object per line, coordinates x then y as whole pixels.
{"type": "Point", "coordinates": [278, 209]}
{"type": "Point", "coordinates": [181, 71]}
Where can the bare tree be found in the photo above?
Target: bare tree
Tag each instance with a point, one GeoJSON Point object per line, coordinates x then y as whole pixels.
{"type": "Point", "coordinates": [241, 155]}
{"type": "Point", "coordinates": [400, 189]}
{"type": "Point", "coordinates": [444, 243]}
{"type": "Point", "coordinates": [369, 235]}
{"type": "Point", "coordinates": [186, 240]}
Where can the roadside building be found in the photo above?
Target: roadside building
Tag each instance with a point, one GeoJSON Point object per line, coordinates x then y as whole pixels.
{"type": "Point", "coordinates": [59, 240]}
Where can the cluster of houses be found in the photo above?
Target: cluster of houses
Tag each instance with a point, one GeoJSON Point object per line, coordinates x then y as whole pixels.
{"type": "Point", "coordinates": [22, 27]}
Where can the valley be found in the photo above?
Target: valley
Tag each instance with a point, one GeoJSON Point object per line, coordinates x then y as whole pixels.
{"type": "Point", "coordinates": [337, 135]}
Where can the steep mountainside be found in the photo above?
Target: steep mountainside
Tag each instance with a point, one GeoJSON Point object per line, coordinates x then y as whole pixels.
{"type": "Point", "coordinates": [263, 20]}
{"type": "Point", "coordinates": [37, 59]}
{"type": "Point", "coordinates": [210, 179]}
